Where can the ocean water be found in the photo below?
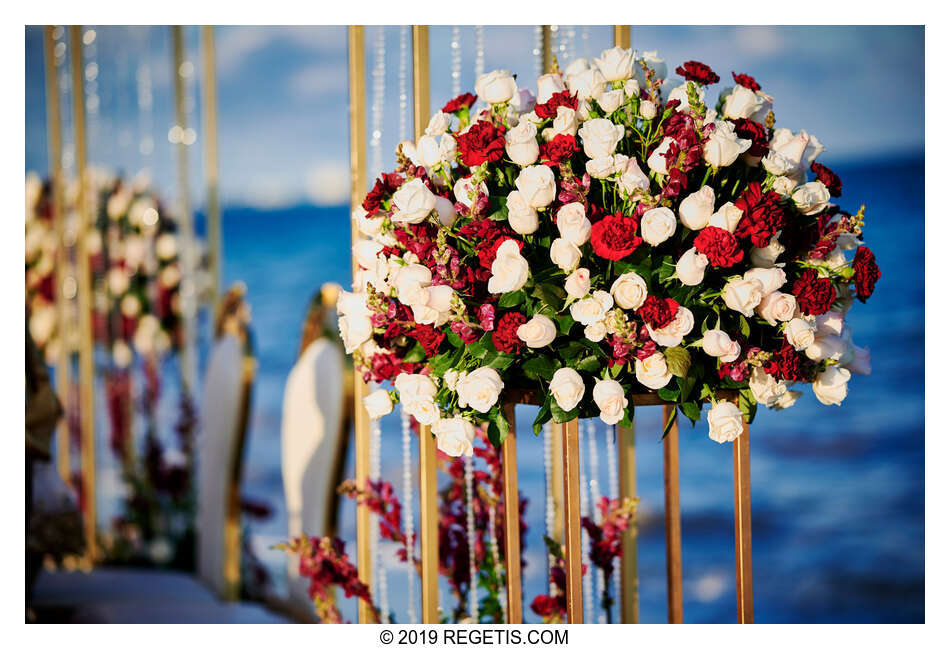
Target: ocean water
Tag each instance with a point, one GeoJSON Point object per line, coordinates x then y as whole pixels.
{"type": "Point", "coordinates": [837, 492]}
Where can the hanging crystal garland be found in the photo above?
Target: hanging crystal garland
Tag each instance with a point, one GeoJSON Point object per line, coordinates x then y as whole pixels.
{"type": "Point", "coordinates": [588, 579]}
{"type": "Point", "coordinates": [470, 535]}
{"type": "Point", "coordinates": [379, 95]}
{"type": "Point", "coordinates": [538, 45]}
{"type": "Point", "coordinates": [548, 500]}
{"type": "Point", "coordinates": [496, 556]}
{"type": "Point", "coordinates": [585, 41]}
{"type": "Point", "coordinates": [407, 522]}
{"type": "Point", "coordinates": [595, 498]}
{"type": "Point", "coordinates": [613, 489]}
{"type": "Point", "coordinates": [143, 83]}
{"type": "Point", "coordinates": [479, 50]}
{"type": "Point", "coordinates": [403, 83]}
{"type": "Point", "coordinates": [379, 588]}
{"type": "Point", "coordinates": [456, 61]}
{"type": "Point", "coordinates": [570, 44]}
{"type": "Point", "coordinates": [91, 84]}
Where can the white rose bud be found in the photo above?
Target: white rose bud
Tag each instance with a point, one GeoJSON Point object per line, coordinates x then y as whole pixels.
{"type": "Point", "coordinates": [537, 332]}
{"type": "Point", "coordinates": [724, 146]}
{"type": "Point", "coordinates": [691, 267]}
{"type": "Point", "coordinates": [567, 388]}
{"type": "Point", "coordinates": [573, 224]}
{"type": "Point", "coordinates": [548, 86]}
{"type": "Point", "coordinates": [577, 283]}
{"type": "Point", "coordinates": [672, 334]}
{"type": "Point", "coordinates": [565, 254]}
{"type": "Point", "coordinates": [509, 270]}
{"type": "Point", "coordinates": [648, 109]}
{"type": "Point", "coordinates": [577, 66]}
{"type": "Point", "coordinates": [725, 422]}
{"type": "Point", "coordinates": [767, 256]}
{"type": "Point", "coordinates": [593, 308]}
{"type": "Point", "coordinates": [657, 225]}
{"type": "Point", "coordinates": [800, 334]}
{"type": "Point", "coordinates": [439, 124]}
{"type": "Point", "coordinates": [480, 389]}
{"type": "Point", "coordinates": [537, 185]}
{"type": "Point", "coordinates": [446, 211]}
{"type": "Point", "coordinates": [412, 202]}
{"type": "Point", "coordinates": [616, 64]}
{"type": "Point", "coordinates": [454, 437]}
{"type": "Point", "coordinates": [653, 372]}
{"type": "Point", "coordinates": [522, 218]}
{"type": "Point", "coordinates": [354, 330]}
{"type": "Point", "coordinates": [610, 101]}
{"type": "Point", "coordinates": [521, 144]}
{"type": "Point", "coordinates": [811, 198]}
{"type": "Point", "coordinates": [743, 295]}
{"type": "Point", "coordinates": [831, 387]}
{"type": "Point", "coordinates": [631, 88]}
{"type": "Point", "coordinates": [777, 307]}
{"type": "Point", "coordinates": [656, 161]}
{"type": "Point", "coordinates": [784, 185]}
{"type": "Point", "coordinates": [718, 344]}
{"type": "Point", "coordinates": [629, 291]}
{"type": "Point", "coordinates": [600, 137]}
{"type": "Point", "coordinates": [496, 87]}
{"type": "Point", "coordinates": [633, 178]}
{"type": "Point", "coordinates": [378, 404]}
{"type": "Point", "coordinates": [595, 332]}
{"type": "Point", "coordinates": [609, 397]}
{"type": "Point", "coordinates": [772, 278]}
{"type": "Point", "coordinates": [726, 217]}
{"type": "Point", "coordinates": [697, 208]}
{"type": "Point", "coordinates": [414, 386]}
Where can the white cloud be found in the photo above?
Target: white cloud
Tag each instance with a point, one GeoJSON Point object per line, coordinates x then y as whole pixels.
{"type": "Point", "coordinates": [317, 79]}
{"type": "Point", "coordinates": [328, 182]}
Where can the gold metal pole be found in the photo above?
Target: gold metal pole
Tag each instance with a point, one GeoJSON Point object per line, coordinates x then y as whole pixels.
{"type": "Point", "coordinates": [54, 142]}
{"type": "Point", "coordinates": [509, 464]}
{"type": "Point", "coordinates": [546, 55]}
{"type": "Point", "coordinates": [86, 367]}
{"type": "Point", "coordinates": [209, 109]}
{"type": "Point", "coordinates": [622, 36]}
{"type": "Point", "coordinates": [572, 523]}
{"type": "Point", "coordinates": [357, 84]}
{"type": "Point", "coordinates": [743, 518]}
{"type": "Point", "coordinates": [674, 540]}
{"type": "Point", "coordinates": [629, 578]}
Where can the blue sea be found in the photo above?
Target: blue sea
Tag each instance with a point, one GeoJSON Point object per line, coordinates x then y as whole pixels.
{"type": "Point", "coordinates": [837, 492]}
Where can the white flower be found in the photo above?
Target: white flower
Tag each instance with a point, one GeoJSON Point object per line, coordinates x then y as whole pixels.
{"type": "Point", "coordinates": [537, 185]}
{"type": "Point", "coordinates": [548, 85]}
{"type": "Point", "coordinates": [592, 308]}
{"type": "Point", "coordinates": [611, 100]}
{"type": "Point", "coordinates": [777, 307]}
{"type": "Point", "coordinates": [521, 144]}
{"type": "Point", "coordinates": [725, 422]}
{"type": "Point", "coordinates": [522, 218]}
{"type": "Point", "coordinates": [609, 397]}
{"type": "Point", "coordinates": [602, 167]}
{"type": "Point", "coordinates": [697, 208]}
{"type": "Point", "coordinates": [629, 291]}
{"type": "Point", "coordinates": [412, 202]}
{"type": "Point", "coordinates": [726, 217]}
{"type": "Point", "coordinates": [539, 331]}
{"type": "Point", "coordinates": [410, 282]}
{"type": "Point", "coordinates": [691, 267]}
{"type": "Point", "coordinates": [631, 88]}
{"type": "Point", "coordinates": [573, 224]}
{"type": "Point", "coordinates": [718, 344]}
{"type": "Point", "coordinates": [800, 333]}
{"type": "Point", "coordinates": [565, 123]}
{"type": "Point", "coordinates": [657, 162]}
{"type": "Point", "coordinates": [414, 386]}
{"type": "Point", "coordinates": [577, 66]}
{"type": "Point", "coordinates": [496, 87]}
{"type": "Point", "coordinates": [586, 84]}
{"type": "Point", "coordinates": [479, 389]}
{"type": "Point", "coordinates": [860, 361]}
{"type": "Point", "coordinates": [446, 211]}
{"type": "Point", "coordinates": [365, 252]}
{"type": "Point", "coordinates": [648, 109]}
{"type": "Point", "coordinates": [567, 388]}
{"type": "Point", "coordinates": [577, 283]}
{"type": "Point", "coordinates": [653, 372]}
{"type": "Point", "coordinates": [633, 178]}
{"type": "Point", "coordinates": [830, 323]}
{"type": "Point", "coordinates": [743, 295]}
{"type": "Point", "coordinates": [354, 330]}
{"type": "Point", "coordinates": [454, 437]}
{"type": "Point", "coordinates": [767, 256]}
{"type": "Point", "coordinates": [509, 270]}
{"type": "Point", "coordinates": [448, 150]}
{"type": "Point", "coordinates": [437, 306]}
{"type": "Point", "coordinates": [831, 387]}
{"type": "Point", "coordinates": [724, 146]}
{"type": "Point", "coordinates": [784, 185]}
{"type": "Point", "coordinates": [827, 347]}
{"type": "Point", "coordinates": [595, 332]}
{"type": "Point", "coordinates": [130, 306]}
{"type": "Point", "coordinates": [681, 93]}
{"type": "Point", "coordinates": [428, 151]}
{"type": "Point", "coordinates": [657, 225]}
{"type": "Point", "coordinates": [439, 124]}
{"type": "Point", "coordinates": [765, 388]}
{"type": "Point", "coordinates": [600, 137]}
{"type": "Point", "coordinates": [672, 334]}
{"type": "Point", "coordinates": [616, 64]}
{"type": "Point", "coordinates": [464, 189]}
{"type": "Point", "coordinates": [741, 103]}
{"type": "Point", "coordinates": [122, 354]}
{"type": "Point", "coordinates": [790, 154]}
{"type": "Point", "coordinates": [772, 278]}
{"type": "Point", "coordinates": [565, 254]}
{"type": "Point", "coordinates": [378, 404]}
{"type": "Point", "coordinates": [811, 198]}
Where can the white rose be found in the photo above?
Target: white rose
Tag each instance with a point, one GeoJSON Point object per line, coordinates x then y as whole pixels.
{"type": "Point", "coordinates": [439, 124]}
{"type": "Point", "coordinates": [860, 362]}
{"type": "Point", "coordinates": [718, 344]}
{"type": "Point", "coordinates": [830, 323]}
{"type": "Point", "coordinates": [521, 217]}
{"type": "Point", "coordinates": [784, 185]}
{"type": "Point", "coordinates": [724, 146]}
{"type": "Point", "coordinates": [767, 256]}
{"type": "Point", "coordinates": [631, 88]}
{"type": "Point", "coordinates": [354, 330]}
{"type": "Point", "coordinates": [539, 331]}
{"type": "Point", "coordinates": [537, 185]}
{"type": "Point", "coordinates": [601, 167]}
{"type": "Point", "coordinates": [479, 389]}
{"type": "Point", "coordinates": [743, 295]}
{"type": "Point", "coordinates": [681, 93]}
{"type": "Point", "coordinates": [412, 202]}
{"type": "Point", "coordinates": [368, 226]}
{"type": "Point", "coordinates": [437, 307]}
{"type": "Point", "coordinates": [725, 422]}
{"type": "Point", "coordinates": [629, 291]}
{"type": "Point", "coordinates": [577, 66]}
{"type": "Point", "coordinates": [633, 178]}
{"type": "Point", "coordinates": [652, 61]}
{"type": "Point", "coordinates": [777, 307]}
{"type": "Point", "coordinates": [365, 252]}
{"type": "Point", "coordinates": [378, 404]}
{"type": "Point", "coordinates": [691, 267]}
{"type": "Point", "coordinates": [454, 437]}
{"type": "Point", "coordinates": [464, 191]}
{"type": "Point", "coordinates": [648, 109]}
{"type": "Point", "coordinates": [593, 308]}
{"type": "Point", "coordinates": [565, 123]}
{"type": "Point", "coordinates": [428, 151]}
{"type": "Point", "coordinates": [573, 224]}
{"type": "Point", "coordinates": [586, 84]}
{"type": "Point", "coordinates": [829, 347]}
{"type": "Point", "coordinates": [549, 85]}
{"type": "Point", "coordinates": [616, 64]}
{"type": "Point", "coordinates": [410, 282]}
{"type": "Point", "coordinates": [765, 388]}
{"type": "Point", "coordinates": [565, 254]}
{"type": "Point", "coordinates": [509, 270]}
{"type": "Point", "coordinates": [595, 332]}
{"type": "Point", "coordinates": [672, 334]}
{"type": "Point", "coordinates": [567, 388]}
{"type": "Point", "coordinates": [522, 102]}
{"type": "Point", "coordinates": [425, 411]}
{"type": "Point", "coordinates": [741, 103]}
{"type": "Point", "coordinates": [610, 101]}
{"type": "Point", "coordinates": [657, 162]}
{"type": "Point", "coordinates": [653, 372]}
{"type": "Point", "coordinates": [446, 211]}
{"type": "Point", "coordinates": [697, 208]}
{"type": "Point", "coordinates": [772, 278]}
{"type": "Point", "coordinates": [496, 87]}
{"type": "Point", "coordinates": [600, 137]}
{"type": "Point", "coordinates": [831, 387]}
{"type": "Point", "coordinates": [414, 386]}
{"type": "Point", "coordinates": [657, 225]}
{"type": "Point", "coordinates": [448, 150]}
{"type": "Point", "coordinates": [609, 397]}
{"type": "Point", "coordinates": [521, 144]}
{"type": "Point", "coordinates": [726, 217]}
{"type": "Point", "coordinates": [800, 334]}
{"type": "Point", "coordinates": [577, 283]}
{"type": "Point", "coordinates": [811, 198]}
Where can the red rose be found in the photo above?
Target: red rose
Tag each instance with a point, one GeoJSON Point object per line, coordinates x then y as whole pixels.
{"type": "Point", "coordinates": [719, 245]}
{"type": "Point", "coordinates": [698, 72]}
{"type": "Point", "coordinates": [505, 335]}
{"type": "Point", "coordinates": [465, 100]}
{"type": "Point", "coordinates": [615, 236]}
{"type": "Point", "coordinates": [483, 142]}
{"type": "Point", "coordinates": [558, 150]}
{"type": "Point", "coordinates": [429, 337]}
{"type": "Point", "coordinates": [826, 177]}
{"type": "Point", "coordinates": [548, 110]}
{"type": "Point", "coordinates": [814, 294]}
{"type": "Point", "coordinates": [748, 129]}
{"type": "Point", "coordinates": [658, 312]}
{"type": "Point", "coordinates": [746, 81]}
{"type": "Point", "coordinates": [866, 273]}
{"type": "Point", "coordinates": [763, 215]}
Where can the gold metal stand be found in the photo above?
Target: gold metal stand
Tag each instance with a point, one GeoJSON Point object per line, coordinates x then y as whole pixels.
{"type": "Point", "coordinates": [629, 578]}
{"type": "Point", "coordinates": [743, 520]}
{"type": "Point", "coordinates": [209, 109]}
{"type": "Point", "coordinates": [622, 36]}
{"type": "Point", "coordinates": [674, 539]}
{"type": "Point", "coordinates": [509, 465]}
{"type": "Point", "coordinates": [572, 522]}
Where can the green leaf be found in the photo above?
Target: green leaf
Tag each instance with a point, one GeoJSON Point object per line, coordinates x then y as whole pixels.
{"type": "Point", "coordinates": [415, 355]}
{"type": "Point", "coordinates": [501, 424]}
{"type": "Point", "coordinates": [544, 415]}
{"type": "Point", "coordinates": [501, 362]}
{"type": "Point", "coordinates": [747, 404]}
{"type": "Point", "coordinates": [744, 326]}
{"type": "Point", "coordinates": [454, 339]}
{"type": "Point", "coordinates": [589, 364]}
{"type": "Point", "coordinates": [669, 422]}
{"type": "Point", "coordinates": [512, 299]}
{"type": "Point", "coordinates": [443, 362]}
{"type": "Point", "coordinates": [564, 323]}
{"type": "Point", "coordinates": [668, 394]}
{"type": "Point", "coordinates": [561, 416]}
{"type": "Point", "coordinates": [550, 294]}
{"type": "Point", "coordinates": [691, 409]}
{"type": "Point", "coordinates": [678, 360]}
{"type": "Point", "coordinates": [539, 367]}
{"type": "Point", "coordinates": [477, 350]}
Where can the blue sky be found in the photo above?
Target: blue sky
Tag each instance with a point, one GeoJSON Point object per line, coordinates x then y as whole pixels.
{"type": "Point", "coordinates": [283, 94]}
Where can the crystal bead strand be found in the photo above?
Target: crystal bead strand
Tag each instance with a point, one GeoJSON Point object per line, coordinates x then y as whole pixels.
{"type": "Point", "coordinates": [380, 587]}
{"type": "Point", "coordinates": [143, 81]}
{"type": "Point", "coordinates": [496, 557]}
{"type": "Point", "coordinates": [403, 83]}
{"type": "Point", "coordinates": [479, 50]}
{"type": "Point", "coordinates": [407, 522]}
{"type": "Point", "coordinates": [595, 498]}
{"type": "Point", "coordinates": [548, 500]}
{"type": "Point", "coordinates": [379, 95]}
{"type": "Point", "coordinates": [613, 488]}
{"type": "Point", "coordinates": [570, 49]}
{"type": "Point", "coordinates": [470, 534]}
{"type": "Point", "coordinates": [588, 579]}
{"type": "Point", "coordinates": [538, 44]}
{"type": "Point", "coordinates": [456, 61]}
{"type": "Point", "coordinates": [585, 41]}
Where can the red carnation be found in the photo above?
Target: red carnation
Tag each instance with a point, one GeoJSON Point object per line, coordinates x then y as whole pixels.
{"type": "Point", "coordinates": [789, 365]}
{"type": "Point", "coordinates": [814, 294]}
{"type": "Point", "coordinates": [615, 236]}
{"type": "Point", "coordinates": [698, 72]}
{"type": "Point", "coordinates": [483, 142]}
{"type": "Point", "coordinates": [658, 312]}
{"type": "Point", "coordinates": [505, 335]}
{"type": "Point", "coordinates": [558, 150]}
{"type": "Point", "coordinates": [827, 177]}
{"type": "Point", "coordinates": [748, 129]}
{"type": "Point", "coordinates": [548, 110]}
{"type": "Point", "coordinates": [429, 337]}
{"type": "Point", "coordinates": [866, 273]}
{"type": "Point", "coordinates": [720, 246]}
{"type": "Point", "coordinates": [465, 100]}
{"type": "Point", "coordinates": [746, 81]}
{"type": "Point", "coordinates": [763, 215]}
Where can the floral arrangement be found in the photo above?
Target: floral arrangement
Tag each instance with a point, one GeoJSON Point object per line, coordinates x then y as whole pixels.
{"type": "Point", "coordinates": [612, 235]}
